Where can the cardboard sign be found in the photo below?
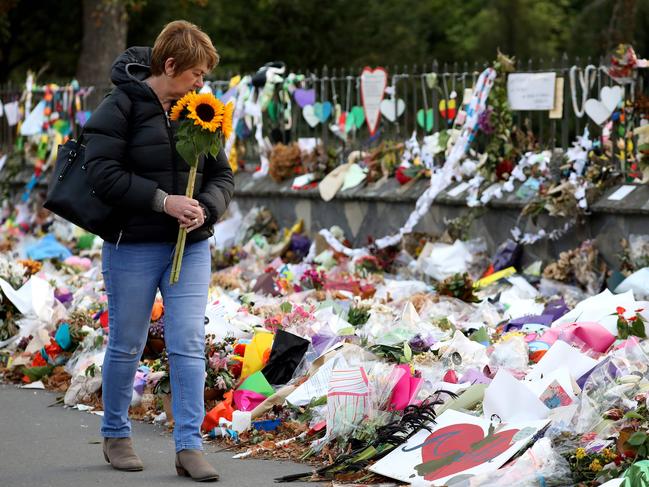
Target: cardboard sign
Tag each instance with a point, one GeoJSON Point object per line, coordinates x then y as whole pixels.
{"type": "Point", "coordinates": [531, 91]}
{"type": "Point", "coordinates": [458, 445]}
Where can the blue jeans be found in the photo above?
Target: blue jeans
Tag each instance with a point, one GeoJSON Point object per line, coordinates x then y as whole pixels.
{"type": "Point", "coordinates": [132, 274]}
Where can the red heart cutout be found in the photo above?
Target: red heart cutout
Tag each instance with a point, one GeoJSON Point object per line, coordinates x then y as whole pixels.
{"type": "Point", "coordinates": [459, 447]}
{"type": "Point", "coordinates": [342, 120]}
{"type": "Point", "coordinates": [447, 109]}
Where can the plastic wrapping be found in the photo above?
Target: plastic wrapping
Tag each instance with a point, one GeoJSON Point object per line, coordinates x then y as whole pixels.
{"type": "Point", "coordinates": [511, 354]}
{"type": "Point", "coordinates": [614, 383]}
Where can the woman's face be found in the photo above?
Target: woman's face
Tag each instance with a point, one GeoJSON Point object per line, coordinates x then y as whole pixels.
{"type": "Point", "coordinates": [188, 80]}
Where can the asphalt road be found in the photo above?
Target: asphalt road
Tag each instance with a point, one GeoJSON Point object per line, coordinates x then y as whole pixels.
{"type": "Point", "coordinates": [43, 446]}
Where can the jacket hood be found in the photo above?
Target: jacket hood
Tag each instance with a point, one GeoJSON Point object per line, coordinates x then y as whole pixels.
{"type": "Point", "coordinates": [131, 68]}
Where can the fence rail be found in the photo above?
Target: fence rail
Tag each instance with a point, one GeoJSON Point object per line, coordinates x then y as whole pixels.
{"type": "Point", "coordinates": [411, 84]}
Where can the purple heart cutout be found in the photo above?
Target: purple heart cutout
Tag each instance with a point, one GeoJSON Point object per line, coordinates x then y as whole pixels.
{"type": "Point", "coordinates": [304, 97]}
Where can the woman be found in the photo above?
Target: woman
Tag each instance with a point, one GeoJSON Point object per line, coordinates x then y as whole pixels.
{"type": "Point", "coordinates": [134, 167]}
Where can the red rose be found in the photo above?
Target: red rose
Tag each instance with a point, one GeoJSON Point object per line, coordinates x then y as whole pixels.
{"type": "Point", "coordinates": [235, 369]}
{"type": "Point", "coordinates": [240, 349]}
{"type": "Point", "coordinates": [401, 176]}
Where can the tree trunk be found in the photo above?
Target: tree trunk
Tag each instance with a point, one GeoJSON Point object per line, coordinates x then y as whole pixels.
{"type": "Point", "coordinates": [105, 24]}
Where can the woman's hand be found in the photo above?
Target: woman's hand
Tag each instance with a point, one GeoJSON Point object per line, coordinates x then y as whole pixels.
{"type": "Point", "coordinates": [186, 210]}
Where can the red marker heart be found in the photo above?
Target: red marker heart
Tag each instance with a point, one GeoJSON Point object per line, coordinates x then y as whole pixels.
{"type": "Point", "coordinates": [459, 447]}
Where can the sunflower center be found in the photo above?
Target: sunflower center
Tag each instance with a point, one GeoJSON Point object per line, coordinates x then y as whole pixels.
{"type": "Point", "coordinates": [205, 112]}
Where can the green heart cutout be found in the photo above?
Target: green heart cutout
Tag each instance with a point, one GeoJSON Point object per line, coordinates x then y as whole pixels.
{"type": "Point", "coordinates": [358, 116]}
{"type": "Point", "coordinates": [426, 124]}
{"type": "Point", "coordinates": [272, 110]}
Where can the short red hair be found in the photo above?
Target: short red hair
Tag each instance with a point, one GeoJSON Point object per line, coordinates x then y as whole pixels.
{"type": "Point", "coordinates": [187, 44]}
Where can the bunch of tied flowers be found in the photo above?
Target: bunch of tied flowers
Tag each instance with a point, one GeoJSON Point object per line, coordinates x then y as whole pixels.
{"type": "Point", "coordinates": [204, 123]}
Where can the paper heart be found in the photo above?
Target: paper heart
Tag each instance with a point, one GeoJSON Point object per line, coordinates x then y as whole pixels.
{"type": "Point", "coordinates": [309, 115]}
{"type": "Point", "coordinates": [431, 80]}
{"type": "Point", "coordinates": [272, 111]}
{"type": "Point", "coordinates": [611, 96]}
{"type": "Point", "coordinates": [459, 447]}
{"type": "Point", "coordinates": [600, 111]}
{"type": "Point", "coordinates": [342, 122]}
{"type": "Point", "coordinates": [425, 121]}
{"type": "Point", "coordinates": [356, 117]}
{"type": "Point", "coordinates": [447, 109]}
{"type": "Point", "coordinates": [304, 97]}
{"type": "Point", "coordinates": [596, 110]}
{"type": "Point", "coordinates": [373, 83]}
{"type": "Point", "coordinates": [322, 110]}
{"type": "Point", "coordinates": [392, 109]}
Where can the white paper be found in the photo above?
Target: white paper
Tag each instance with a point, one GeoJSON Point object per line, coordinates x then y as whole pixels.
{"type": "Point", "coordinates": [12, 113]}
{"type": "Point", "coordinates": [562, 376]}
{"type": "Point", "coordinates": [307, 144]}
{"type": "Point", "coordinates": [638, 283]}
{"type": "Point", "coordinates": [562, 355]}
{"type": "Point", "coordinates": [225, 231]}
{"type": "Point", "coordinates": [498, 400]}
{"type": "Point", "coordinates": [622, 192]}
{"type": "Point", "coordinates": [33, 124]}
{"type": "Point", "coordinates": [34, 385]}
{"type": "Point", "coordinates": [601, 309]}
{"type": "Point", "coordinates": [531, 91]}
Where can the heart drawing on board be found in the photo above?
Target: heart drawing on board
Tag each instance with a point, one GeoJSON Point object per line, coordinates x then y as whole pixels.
{"type": "Point", "coordinates": [459, 447]}
{"type": "Point", "coordinates": [309, 115]}
{"type": "Point", "coordinates": [600, 110]}
{"type": "Point", "coordinates": [392, 108]}
{"type": "Point", "coordinates": [425, 119]}
{"type": "Point", "coordinates": [373, 83]}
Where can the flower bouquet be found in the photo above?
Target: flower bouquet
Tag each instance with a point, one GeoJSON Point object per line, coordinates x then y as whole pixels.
{"type": "Point", "coordinates": [204, 122]}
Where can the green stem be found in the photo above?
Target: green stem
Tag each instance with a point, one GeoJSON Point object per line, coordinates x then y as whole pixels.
{"type": "Point", "coordinates": [182, 232]}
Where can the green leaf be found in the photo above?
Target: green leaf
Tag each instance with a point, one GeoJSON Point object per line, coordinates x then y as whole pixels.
{"type": "Point", "coordinates": [407, 352]}
{"type": "Point", "coordinates": [642, 451]}
{"type": "Point", "coordinates": [637, 328]}
{"type": "Point", "coordinates": [286, 307]}
{"type": "Point", "coordinates": [633, 415]}
{"type": "Point", "coordinates": [637, 438]}
{"type": "Point", "coordinates": [186, 150]}
{"type": "Point", "coordinates": [214, 150]}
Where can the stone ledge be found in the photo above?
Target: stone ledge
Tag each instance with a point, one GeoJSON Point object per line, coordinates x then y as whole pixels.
{"type": "Point", "coordinates": [390, 191]}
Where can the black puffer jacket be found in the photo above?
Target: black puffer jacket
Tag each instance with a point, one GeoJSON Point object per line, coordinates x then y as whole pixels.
{"type": "Point", "coordinates": [131, 152]}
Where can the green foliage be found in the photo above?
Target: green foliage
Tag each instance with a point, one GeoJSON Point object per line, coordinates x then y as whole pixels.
{"type": "Point", "coordinates": [631, 327]}
{"type": "Point", "coordinates": [358, 315]}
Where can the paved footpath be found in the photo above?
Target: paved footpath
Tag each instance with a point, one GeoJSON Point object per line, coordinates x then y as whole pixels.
{"type": "Point", "coordinates": [43, 446]}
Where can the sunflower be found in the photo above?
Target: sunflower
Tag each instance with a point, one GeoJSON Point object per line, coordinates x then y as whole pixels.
{"type": "Point", "coordinates": [206, 111]}
{"type": "Point", "coordinates": [226, 124]}
{"type": "Point", "coordinates": [180, 105]}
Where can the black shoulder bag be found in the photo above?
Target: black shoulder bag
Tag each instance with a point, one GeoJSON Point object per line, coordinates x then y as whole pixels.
{"type": "Point", "coordinates": [70, 194]}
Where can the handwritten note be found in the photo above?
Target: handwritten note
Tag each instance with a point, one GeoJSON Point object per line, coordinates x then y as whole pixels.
{"type": "Point", "coordinates": [531, 91]}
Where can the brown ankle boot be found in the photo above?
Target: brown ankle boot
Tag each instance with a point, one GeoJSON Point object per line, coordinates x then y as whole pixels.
{"type": "Point", "coordinates": [192, 463]}
{"type": "Point", "coordinates": [120, 454]}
